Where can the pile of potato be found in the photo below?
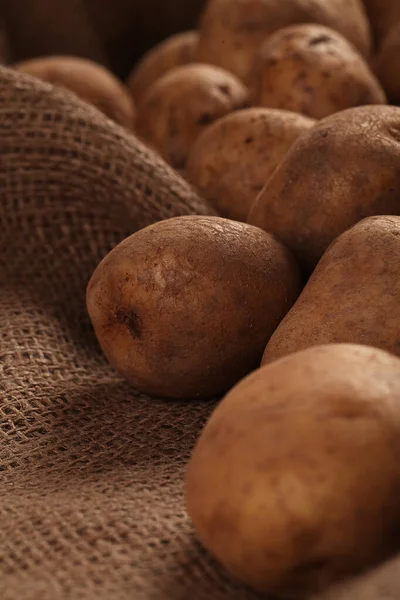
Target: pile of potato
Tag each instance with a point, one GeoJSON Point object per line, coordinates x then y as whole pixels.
{"type": "Point", "coordinates": [288, 299]}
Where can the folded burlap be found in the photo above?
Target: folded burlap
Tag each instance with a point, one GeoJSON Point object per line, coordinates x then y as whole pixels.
{"type": "Point", "coordinates": [90, 471]}
{"type": "Point", "coordinates": [114, 32]}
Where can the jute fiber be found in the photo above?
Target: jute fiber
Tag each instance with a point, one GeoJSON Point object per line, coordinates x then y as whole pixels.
{"type": "Point", "coordinates": [90, 471]}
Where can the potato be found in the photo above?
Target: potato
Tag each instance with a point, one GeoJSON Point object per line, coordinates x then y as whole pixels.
{"type": "Point", "coordinates": [345, 168]}
{"type": "Point", "coordinates": [295, 480]}
{"type": "Point", "coordinates": [387, 66]}
{"type": "Point", "coordinates": [185, 307]}
{"type": "Point", "coordinates": [313, 70]}
{"type": "Point", "coordinates": [180, 105]}
{"type": "Point", "coordinates": [232, 31]}
{"type": "Point", "coordinates": [91, 82]}
{"type": "Point", "coordinates": [175, 51]}
{"type": "Point", "coordinates": [353, 296]}
{"type": "Point", "coordinates": [233, 158]}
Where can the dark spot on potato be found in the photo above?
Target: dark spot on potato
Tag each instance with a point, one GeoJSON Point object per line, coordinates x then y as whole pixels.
{"type": "Point", "coordinates": [129, 319]}
{"type": "Point", "coordinates": [249, 140]}
{"type": "Point", "coordinates": [225, 89]}
{"type": "Point", "coordinates": [205, 119]}
{"type": "Point", "coordinates": [321, 39]}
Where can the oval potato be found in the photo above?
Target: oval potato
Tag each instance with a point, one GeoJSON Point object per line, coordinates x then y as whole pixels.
{"type": "Point", "coordinates": [233, 158]}
{"type": "Point", "coordinates": [90, 81]}
{"type": "Point", "coordinates": [232, 31]}
{"type": "Point", "coordinates": [185, 307]}
{"type": "Point", "coordinates": [353, 296]}
{"type": "Point", "coordinates": [175, 51]}
{"type": "Point", "coordinates": [345, 168]}
{"type": "Point", "coordinates": [313, 70]}
{"type": "Point", "coordinates": [182, 103]}
{"type": "Point", "coordinates": [294, 482]}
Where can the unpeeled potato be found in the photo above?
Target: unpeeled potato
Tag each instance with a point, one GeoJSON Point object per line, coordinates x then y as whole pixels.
{"type": "Point", "coordinates": [232, 31]}
{"type": "Point", "coordinates": [91, 82]}
{"type": "Point", "coordinates": [182, 103]}
{"type": "Point", "coordinates": [233, 158]}
{"type": "Point", "coordinates": [175, 51]}
{"type": "Point", "coordinates": [185, 307]}
{"type": "Point", "coordinates": [353, 295]}
{"type": "Point", "coordinates": [295, 480]}
{"type": "Point", "coordinates": [313, 70]}
{"type": "Point", "coordinates": [345, 168]}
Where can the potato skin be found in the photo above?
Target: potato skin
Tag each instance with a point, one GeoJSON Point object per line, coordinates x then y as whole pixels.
{"type": "Point", "coordinates": [90, 81]}
{"type": "Point", "coordinates": [175, 51]}
{"type": "Point", "coordinates": [353, 296]}
{"type": "Point", "coordinates": [345, 168]}
{"type": "Point", "coordinates": [185, 307]}
{"type": "Point", "coordinates": [294, 482]}
{"type": "Point", "coordinates": [232, 31]}
{"type": "Point", "coordinates": [313, 70]}
{"type": "Point", "coordinates": [182, 103]}
{"type": "Point", "coordinates": [233, 158]}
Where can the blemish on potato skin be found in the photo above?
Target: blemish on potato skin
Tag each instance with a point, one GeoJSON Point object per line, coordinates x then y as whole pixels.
{"type": "Point", "coordinates": [131, 320]}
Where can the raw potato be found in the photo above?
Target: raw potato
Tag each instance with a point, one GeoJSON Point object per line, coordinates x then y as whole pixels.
{"type": "Point", "coordinates": [232, 160]}
{"type": "Point", "coordinates": [345, 168]}
{"type": "Point", "coordinates": [232, 31]}
{"type": "Point", "coordinates": [91, 82]}
{"type": "Point", "coordinates": [353, 296]}
{"type": "Point", "coordinates": [185, 307]}
{"type": "Point", "coordinates": [294, 483]}
{"type": "Point", "coordinates": [313, 70]}
{"type": "Point", "coordinates": [175, 51]}
{"type": "Point", "coordinates": [180, 105]}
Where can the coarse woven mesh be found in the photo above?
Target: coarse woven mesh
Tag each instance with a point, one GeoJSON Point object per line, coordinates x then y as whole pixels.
{"type": "Point", "coordinates": [90, 471]}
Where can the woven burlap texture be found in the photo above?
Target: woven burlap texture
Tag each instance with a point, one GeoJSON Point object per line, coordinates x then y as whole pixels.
{"type": "Point", "coordinates": [90, 471]}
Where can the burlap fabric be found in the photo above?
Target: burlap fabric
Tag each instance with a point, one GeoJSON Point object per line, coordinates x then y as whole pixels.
{"type": "Point", "coordinates": [113, 32]}
{"type": "Point", "coordinates": [90, 471]}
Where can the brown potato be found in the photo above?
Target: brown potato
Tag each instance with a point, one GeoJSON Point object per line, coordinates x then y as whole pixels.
{"type": "Point", "coordinates": [180, 105]}
{"type": "Point", "coordinates": [175, 51]}
{"type": "Point", "coordinates": [232, 31]}
{"type": "Point", "coordinates": [345, 168]}
{"type": "Point", "coordinates": [294, 482]}
{"type": "Point", "coordinates": [232, 160]}
{"type": "Point", "coordinates": [93, 83]}
{"type": "Point", "coordinates": [185, 307]}
{"type": "Point", "coordinates": [313, 70]}
{"type": "Point", "coordinates": [353, 296]}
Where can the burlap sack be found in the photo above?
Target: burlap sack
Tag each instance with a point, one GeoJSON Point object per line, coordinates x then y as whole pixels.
{"type": "Point", "coordinates": [114, 32]}
{"type": "Point", "coordinates": [90, 471]}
